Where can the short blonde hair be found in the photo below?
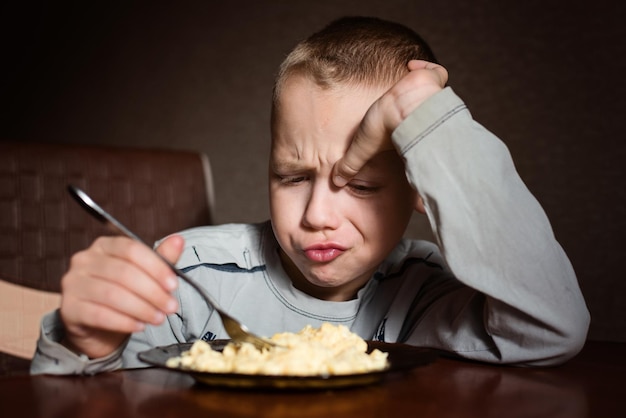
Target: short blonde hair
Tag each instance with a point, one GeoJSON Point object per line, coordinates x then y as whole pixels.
{"type": "Point", "coordinates": [354, 50]}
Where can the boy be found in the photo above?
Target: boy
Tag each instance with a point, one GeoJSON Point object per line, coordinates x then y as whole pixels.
{"type": "Point", "coordinates": [364, 131]}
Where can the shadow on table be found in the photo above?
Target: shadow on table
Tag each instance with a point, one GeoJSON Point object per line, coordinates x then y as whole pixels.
{"type": "Point", "coordinates": [464, 389]}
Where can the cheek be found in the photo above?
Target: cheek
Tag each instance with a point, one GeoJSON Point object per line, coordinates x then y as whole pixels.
{"type": "Point", "coordinates": [283, 212]}
{"type": "Point", "coordinates": [276, 206]}
{"type": "Point", "coordinates": [390, 214]}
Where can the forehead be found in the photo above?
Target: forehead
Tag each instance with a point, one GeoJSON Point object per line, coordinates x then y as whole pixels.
{"type": "Point", "coordinates": [308, 118]}
{"type": "Point", "coordinates": [313, 128]}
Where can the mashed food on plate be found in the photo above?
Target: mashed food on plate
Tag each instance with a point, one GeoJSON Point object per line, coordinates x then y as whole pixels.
{"type": "Point", "coordinates": [327, 350]}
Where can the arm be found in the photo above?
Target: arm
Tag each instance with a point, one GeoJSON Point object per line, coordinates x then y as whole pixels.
{"type": "Point", "coordinates": [494, 236]}
{"type": "Point", "coordinates": [112, 289]}
{"type": "Point", "coordinates": [519, 301]}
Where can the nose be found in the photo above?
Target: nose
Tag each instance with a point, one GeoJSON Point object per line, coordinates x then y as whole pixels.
{"type": "Point", "coordinates": [322, 209]}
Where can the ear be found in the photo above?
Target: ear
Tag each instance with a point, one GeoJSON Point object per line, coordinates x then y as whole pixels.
{"type": "Point", "coordinates": [419, 204]}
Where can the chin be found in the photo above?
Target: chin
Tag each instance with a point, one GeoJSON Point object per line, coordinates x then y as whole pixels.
{"type": "Point", "coordinates": [323, 281]}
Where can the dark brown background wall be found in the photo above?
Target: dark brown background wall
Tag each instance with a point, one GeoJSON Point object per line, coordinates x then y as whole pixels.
{"type": "Point", "coordinates": [546, 76]}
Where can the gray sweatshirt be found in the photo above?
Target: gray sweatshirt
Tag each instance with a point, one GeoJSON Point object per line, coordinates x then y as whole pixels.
{"type": "Point", "coordinates": [496, 287]}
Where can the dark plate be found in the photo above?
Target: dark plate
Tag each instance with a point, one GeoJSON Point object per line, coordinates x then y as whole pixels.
{"type": "Point", "coordinates": [401, 358]}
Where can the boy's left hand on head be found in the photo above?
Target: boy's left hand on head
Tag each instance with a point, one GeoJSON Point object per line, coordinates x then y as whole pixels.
{"type": "Point", "coordinates": [373, 136]}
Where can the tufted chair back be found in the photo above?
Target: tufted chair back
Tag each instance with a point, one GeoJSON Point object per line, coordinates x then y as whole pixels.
{"type": "Point", "coordinates": [154, 192]}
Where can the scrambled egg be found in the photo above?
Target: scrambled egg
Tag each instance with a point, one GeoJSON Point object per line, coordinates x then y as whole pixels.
{"type": "Point", "coordinates": [327, 350]}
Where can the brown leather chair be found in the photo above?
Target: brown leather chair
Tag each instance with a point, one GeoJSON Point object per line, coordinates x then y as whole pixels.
{"type": "Point", "coordinates": [153, 192]}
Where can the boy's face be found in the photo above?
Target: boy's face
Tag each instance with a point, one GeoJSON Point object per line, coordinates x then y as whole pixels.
{"type": "Point", "coordinates": [332, 239]}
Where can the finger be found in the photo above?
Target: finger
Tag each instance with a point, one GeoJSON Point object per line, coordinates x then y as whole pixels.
{"type": "Point", "coordinates": [350, 164]}
{"type": "Point", "coordinates": [112, 296]}
{"type": "Point", "coordinates": [85, 315]}
{"type": "Point", "coordinates": [441, 72]}
{"type": "Point", "coordinates": [370, 139]}
{"type": "Point", "coordinates": [142, 257]}
{"type": "Point", "coordinates": [417, 64]}
{"type": "Point", "coordinates": [171, 248]}
{"type": "Point", "coordinates": [126, 263]}
{"type": "Point", "coordinates": [108, 295]}
{"type": "Point", "coordinates": [95, 330]}
{"type": "Point", "coordinates": [129, 278]}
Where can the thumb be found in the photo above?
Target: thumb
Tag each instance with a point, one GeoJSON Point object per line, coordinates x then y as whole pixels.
{"type": "Point", "coordinates": [171, 248]}
{"type": "Point", "coordinates": [370, 139]}
{"type": "Point", "coordinates": [350, 164]}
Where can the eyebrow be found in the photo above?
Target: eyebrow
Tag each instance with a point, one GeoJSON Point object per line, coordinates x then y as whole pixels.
{"type": "Point", "coordinates": [295, 165]}
{"type": "Point", "coordinates": [288, 165]}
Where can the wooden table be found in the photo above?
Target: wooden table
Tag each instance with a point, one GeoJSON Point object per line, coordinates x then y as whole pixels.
{"type": "Point", "coordinates": [591, 385]}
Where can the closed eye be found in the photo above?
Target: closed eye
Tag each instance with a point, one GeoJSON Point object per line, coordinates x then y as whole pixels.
{"type": "Point", "coordinates": [292, 180]}
{"type": "Point", "coordinates": [362, 189]}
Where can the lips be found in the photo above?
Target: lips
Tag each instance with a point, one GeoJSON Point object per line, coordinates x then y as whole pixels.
{"type": "Point", "coordinates": [323, 253]}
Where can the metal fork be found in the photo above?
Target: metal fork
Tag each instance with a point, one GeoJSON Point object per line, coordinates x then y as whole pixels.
{"type": "Point", "coordinates": [237, 331]}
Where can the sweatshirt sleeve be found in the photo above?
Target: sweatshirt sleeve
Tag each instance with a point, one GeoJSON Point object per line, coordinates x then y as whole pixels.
{"type": "Point", "coordinates": [495, 238]}
{"type": "Point", "coordinates": [51, 357]}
